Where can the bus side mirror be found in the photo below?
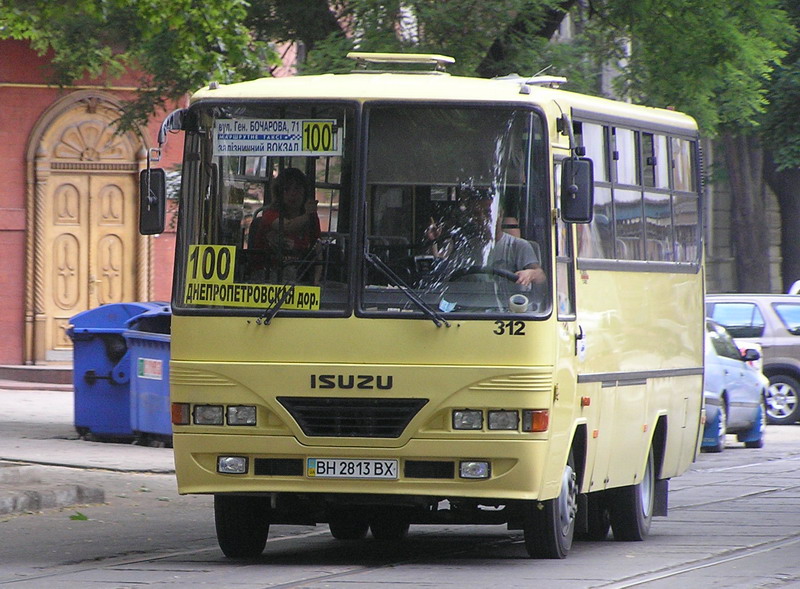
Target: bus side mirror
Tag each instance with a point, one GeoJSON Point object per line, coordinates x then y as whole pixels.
{"type": "Point", "coordinates": [577, 190]}
{"type": "Point", "coordinates": [152, 201]}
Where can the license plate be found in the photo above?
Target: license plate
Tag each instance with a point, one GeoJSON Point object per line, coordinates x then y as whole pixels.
{"type": "Point", "coordinates": [345, 468]}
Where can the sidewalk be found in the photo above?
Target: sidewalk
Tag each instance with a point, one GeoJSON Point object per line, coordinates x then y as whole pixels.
{"type": "Point", "coordinates": [41, 456]}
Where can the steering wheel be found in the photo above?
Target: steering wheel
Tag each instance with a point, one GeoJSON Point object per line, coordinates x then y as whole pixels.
{"type": "Point", "coordinates": [461, 272]}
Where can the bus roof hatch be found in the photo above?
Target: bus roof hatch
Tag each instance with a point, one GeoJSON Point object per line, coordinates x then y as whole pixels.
{"type": "Point", "coordinates": [439, 62]}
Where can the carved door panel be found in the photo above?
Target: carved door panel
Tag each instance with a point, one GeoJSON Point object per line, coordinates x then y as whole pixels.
{"type": "Point", "coordinates": [112, 240]}
{"type": "Point", "coordinates": [90, 232]}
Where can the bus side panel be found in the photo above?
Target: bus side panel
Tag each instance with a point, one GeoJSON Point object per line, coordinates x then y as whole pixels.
{"type": "Point", "coordinates": [643, 360]}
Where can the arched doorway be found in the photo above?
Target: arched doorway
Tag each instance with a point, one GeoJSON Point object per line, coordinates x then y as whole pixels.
{"type": "Point", "coordinates": [84, 248]}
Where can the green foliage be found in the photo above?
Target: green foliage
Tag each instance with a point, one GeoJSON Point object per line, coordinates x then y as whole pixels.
{"type": "Point", "coordinates": [723, 61]}
{"type": "Point", "coordinates": [176, 47]}
{"type": "Point", "coordinates": [782, 121]}
{"type": "Point", "coordinates": [464, 29]}
{"type": "Point", "coordinates": [710, 58]}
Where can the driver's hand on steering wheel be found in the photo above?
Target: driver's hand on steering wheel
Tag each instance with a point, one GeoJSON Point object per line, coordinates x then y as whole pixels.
{"type": "Point", "coordinates": [528, 276]}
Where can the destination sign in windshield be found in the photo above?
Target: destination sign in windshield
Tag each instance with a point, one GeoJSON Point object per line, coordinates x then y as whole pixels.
{"type": "Point", "coordinates": [276, 137]}
{"type": "Point", "coordinates": [209, 281]}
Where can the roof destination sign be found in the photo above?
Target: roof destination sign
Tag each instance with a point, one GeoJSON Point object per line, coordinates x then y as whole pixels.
{"type": "Point", "coordinates": [276, 137]}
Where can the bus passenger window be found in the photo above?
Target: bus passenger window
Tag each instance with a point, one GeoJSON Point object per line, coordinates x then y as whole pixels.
{"type": "Point", "coordinates": [682, 169]}
{"type": "Point", "coordinates": [625, 156]}
{"type": "Point", "coordinates": [629, 230]}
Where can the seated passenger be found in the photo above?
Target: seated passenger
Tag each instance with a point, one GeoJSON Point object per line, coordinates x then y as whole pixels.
{"type": "Point", "coordinates": [289, 228]}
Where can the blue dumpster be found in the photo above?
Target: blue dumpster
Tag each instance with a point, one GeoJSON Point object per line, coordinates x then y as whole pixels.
{"type": "Point", "coordinates": [148, 339]}
{"type": "Point", "coordinates": [101, 370]}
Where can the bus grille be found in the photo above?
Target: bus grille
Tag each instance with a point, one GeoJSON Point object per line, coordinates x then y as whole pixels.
{"type": "Point", "coordinates": [356, 418]}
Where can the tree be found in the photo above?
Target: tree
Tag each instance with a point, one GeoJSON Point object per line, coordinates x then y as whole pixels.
{"type": "Point", "coordinates": [713, 60]}
{"type": "Point", "coordinates": [173, 47]}
{"type": "Point", "coordinates": [464, 29]}
{"type": "Point", "coordinates": [718, 60]}
{"type": "Point", "coordinates": [781, 131]}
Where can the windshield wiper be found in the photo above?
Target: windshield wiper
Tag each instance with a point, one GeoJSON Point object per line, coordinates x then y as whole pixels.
{"type": "Point", "coordinates": [302, 267]}
{"type": "Point", "coordinates": [272, 310]}
{"type": "Point", "coordinates": [434, 316]}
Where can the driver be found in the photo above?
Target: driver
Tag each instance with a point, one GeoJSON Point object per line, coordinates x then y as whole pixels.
{"type": "Point", "coordinates": [515, 255]}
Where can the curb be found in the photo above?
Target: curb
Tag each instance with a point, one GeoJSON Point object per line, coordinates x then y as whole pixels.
{"type": "Point", "coordinates": [21, 385]}
{"type": "Point", "coordinates": [22, 490]}
{"type": "Point", "coordinates": [47, 497]}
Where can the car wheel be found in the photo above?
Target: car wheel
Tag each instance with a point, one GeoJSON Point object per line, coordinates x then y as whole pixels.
{"type": "Point", "coordinates": [782, 400]}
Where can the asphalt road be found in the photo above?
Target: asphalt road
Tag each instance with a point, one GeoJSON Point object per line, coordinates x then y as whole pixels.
{"type": "Point", "coordinates": [734, 522]}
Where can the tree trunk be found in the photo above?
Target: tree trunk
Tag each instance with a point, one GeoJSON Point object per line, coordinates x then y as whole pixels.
{"type": "Point", "coordinates": [786, 186]}
{"type": "Point", "coordinates": [744, 160]}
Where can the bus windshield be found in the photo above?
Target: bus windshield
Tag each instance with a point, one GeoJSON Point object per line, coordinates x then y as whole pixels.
{"type": "Point", "coordinates": [455, 210]}
{"type": "Point", "coordinates": [455, 222]}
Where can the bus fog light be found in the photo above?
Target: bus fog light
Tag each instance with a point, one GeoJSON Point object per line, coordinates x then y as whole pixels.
{"type": "Point", "coordinates": [503, 420]}
{"type": "Point", "coordinates": [231, 464]}
{"type": "Point", "coordinates": [474, 469]}
{"type": "Point", "coordinates": [467, 419]}
{"type": "Point", "coordinates": [241, 415]}
{"type": "Point", "coordinates": [208, 414]}
{"type": "Point", "coordinates": [535, 420]}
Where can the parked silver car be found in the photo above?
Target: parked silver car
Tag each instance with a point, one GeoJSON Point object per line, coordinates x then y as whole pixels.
{"type": "Point", "coordinates": [773, 321]}
{"type": "Point", "coordinates": [733, 393]}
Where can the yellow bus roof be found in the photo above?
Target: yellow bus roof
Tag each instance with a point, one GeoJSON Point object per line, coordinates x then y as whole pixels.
{"type": "Point", "coordinates": [439, 87]}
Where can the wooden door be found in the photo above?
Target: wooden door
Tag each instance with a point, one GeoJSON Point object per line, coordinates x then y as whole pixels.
{"type": "Point", "coordinates": [86, 247]}
{"type": "Point", "coordinates": [92, 239]}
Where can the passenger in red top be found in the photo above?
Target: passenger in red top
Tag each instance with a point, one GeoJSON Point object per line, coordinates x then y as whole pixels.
{"type": "Point", "coordinates": [289, 228]}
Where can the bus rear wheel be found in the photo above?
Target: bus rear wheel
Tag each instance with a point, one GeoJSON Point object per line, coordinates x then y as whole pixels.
{"type": "Point", "coordinates": [598, 521]}
{"type": "Point", "coordinates": [348, 525]}
{"type": "Point", "coordinates": [242, 525]}
{"type": "Point", "coordinates": [549, 526]}
{"type": "Point", "coordinates": [389, 527]}
{"type": "Point", "coordinates": [631, 507]}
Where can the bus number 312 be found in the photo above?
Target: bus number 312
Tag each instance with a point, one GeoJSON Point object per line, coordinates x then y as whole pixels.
{"type": "Point", "coordinates": [509, 328]}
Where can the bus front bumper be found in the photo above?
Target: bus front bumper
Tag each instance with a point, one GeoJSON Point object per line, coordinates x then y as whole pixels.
{"type": "Point", "coordinates": [514, 469]}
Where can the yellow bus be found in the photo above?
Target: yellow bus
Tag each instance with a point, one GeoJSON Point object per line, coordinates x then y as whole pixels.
{"type": "Point", "coordinates": [404, 297]}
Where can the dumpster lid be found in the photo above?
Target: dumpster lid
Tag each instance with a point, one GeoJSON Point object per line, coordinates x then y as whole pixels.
{"type": "Point", "coordinates": [155, 320]}
{"type": "Point", "coordinates": [112, 315]}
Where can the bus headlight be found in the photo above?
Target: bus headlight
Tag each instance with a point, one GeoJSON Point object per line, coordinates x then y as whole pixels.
{"type": "Point", "coordinates": [231, 464]}
{"type": "Point", "coordinates": [208, 414]}
{"type": "Point", "coordinates": [474, 469]}
{"type": "Point", "coordinates": [503, 420]}
{"type": "Point", "coordinates": [241, 415]}
{"type": "Point", "coordinates": [467, 419]}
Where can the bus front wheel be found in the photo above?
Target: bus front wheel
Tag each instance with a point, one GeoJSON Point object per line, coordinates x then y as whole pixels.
{"type": "Point", "coordinates": [549, 526]}
{"type": "Point", "coordinates": [242, 525]}
{"type": "Point", "coordinates": [631, 507]}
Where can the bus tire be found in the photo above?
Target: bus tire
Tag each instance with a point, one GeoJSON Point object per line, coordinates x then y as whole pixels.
{"type": "Point", "coordinates": [549, 526]}
{"type": "Point", "coordinates": [598, 519]}
{"type": "Point", "coordinates": [389, 527]}
{"type": "Point", "coordinates": [242, 525]}
{"type": "Point", "coordinates": [631, 507]}
{"type": "Point", "coordinates": [348, 525]}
